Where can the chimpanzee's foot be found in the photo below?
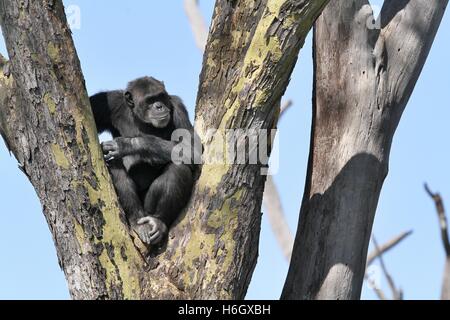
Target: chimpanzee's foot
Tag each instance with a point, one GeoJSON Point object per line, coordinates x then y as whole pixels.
{"type": "Point", "coordinates": [153, 229]}
{"type": "Point", "coordinates": [143, 231]}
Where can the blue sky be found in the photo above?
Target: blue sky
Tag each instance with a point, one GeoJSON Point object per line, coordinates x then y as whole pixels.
{"type": "Point", "coordinates": [119, 41]}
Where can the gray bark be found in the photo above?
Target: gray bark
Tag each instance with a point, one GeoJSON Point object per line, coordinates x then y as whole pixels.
{"type": "Point", "coordinates": [363, 79]}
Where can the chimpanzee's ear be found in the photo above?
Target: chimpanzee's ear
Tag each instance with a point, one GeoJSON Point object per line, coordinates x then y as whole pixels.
{"type": "Point", "coordinates": [129, 99]}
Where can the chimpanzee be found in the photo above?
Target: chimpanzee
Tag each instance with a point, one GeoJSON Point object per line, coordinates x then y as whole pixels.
{"type": "Point", "coordinates": [151, 188]}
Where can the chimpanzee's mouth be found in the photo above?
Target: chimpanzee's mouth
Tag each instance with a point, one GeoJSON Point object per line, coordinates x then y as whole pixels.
{"type": "Point", "coordinates": [161, 118]}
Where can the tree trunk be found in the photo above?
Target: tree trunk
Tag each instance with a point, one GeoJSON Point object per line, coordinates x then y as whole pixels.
{"type": "Point", "coordinates": [46, 121]}
{"type": "Point", "coordinates": [363, 79]}
{"type": "Point", "coordinates": [251, 52]}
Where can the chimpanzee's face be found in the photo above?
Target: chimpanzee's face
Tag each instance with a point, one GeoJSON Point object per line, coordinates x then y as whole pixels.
{"type": "Point", "coordinates": [150, 102]}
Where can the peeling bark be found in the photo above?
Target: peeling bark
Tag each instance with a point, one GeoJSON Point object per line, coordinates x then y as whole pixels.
{"type": "Point", "coordinates": [46, 120]}
{"type": "Point", "coordinates": [363, 79]}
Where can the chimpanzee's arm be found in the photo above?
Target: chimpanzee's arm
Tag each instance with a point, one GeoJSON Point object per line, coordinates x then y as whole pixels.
{"type": "Point", "coordinates": [151, 149]}
{"type": "Point", "coordinates": [155, 150]}
{"type": "Point", "coordinates": [106, 105]}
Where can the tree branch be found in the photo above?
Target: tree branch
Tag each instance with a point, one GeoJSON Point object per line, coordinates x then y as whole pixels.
{"type": "Point", "coordinates": [376, 289]}
{"type": "Point", "coordinates": [379, 251]}
{"type": "Point", "coordinates": [442, 218]}
{"type": "Point", "coordinates": [277, 218]}
{"type": "Point", "coordinates": [271, 197]}
{"type": "Point", "coordinates": [358, 104]}
{"type": "Point", "coordinates": [285, 106]}
{"type": "Point", "coordinates": [396, 294]}
{"type": "Point", "coordinates": [387, 246]}
{"type": "Point", "coordinates": [198, 24]}
{"type": "Point", "coordinates": [47, 122]}
{"type": "Point", "coordinates": [408, 29]}
{"type": "Point", "coordinates": [445, 294]}
{"type": "Point", "coordinates": [274, 209]}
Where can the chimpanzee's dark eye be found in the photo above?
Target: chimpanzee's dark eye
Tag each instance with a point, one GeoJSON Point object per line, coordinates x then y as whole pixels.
{"type": "Point", "coordinates": [153, 99]}
{"type": "Point", "coordinates": [150, 100]}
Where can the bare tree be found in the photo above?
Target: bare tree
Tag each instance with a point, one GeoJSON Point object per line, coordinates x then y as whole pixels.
{"type": "Point", "coordinates": [443, 226]}
{"type": "Point", "coordinates": [363, 78]}
{"type": "Point", "coordinates": [46, 122]}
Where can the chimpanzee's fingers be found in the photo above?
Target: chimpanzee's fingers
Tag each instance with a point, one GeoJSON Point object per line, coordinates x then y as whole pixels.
{"type": "Point", "coordinates": [143, 235]}
{"type": "Point", "coordinates": [154, 239]}
{"type": "Point", "coordinates": [113, 155]}
{"type": "Point", "coordinates": [153, 230]}
{"type": "Point", "coordinates": [153, 225]}
{"type": "Point", "coordinates": [144, 220]}
{"type": "Point", "coordinates": [108, 146]}
{"type": "Point", "coordinates": [109, 156]}
{"type": "Point", "coordinates": [111, 150]}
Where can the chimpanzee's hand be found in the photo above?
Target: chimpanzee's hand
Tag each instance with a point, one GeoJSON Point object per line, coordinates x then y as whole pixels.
{"type": "Point", "coordinates": [143, 231]}
{"type": "Point", "coordinates": [153, 230]}
{"type": "Point", "coordinates": [114, 149]}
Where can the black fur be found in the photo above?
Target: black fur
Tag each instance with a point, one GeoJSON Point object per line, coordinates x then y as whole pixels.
{"type": "Point", "coordinates": [147, 182]}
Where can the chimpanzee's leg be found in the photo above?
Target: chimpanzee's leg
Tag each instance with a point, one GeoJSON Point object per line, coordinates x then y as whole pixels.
{"type": "Point", "coordinates": [129, 200]}
{"type": "Point", "coordinates": [168, 195]}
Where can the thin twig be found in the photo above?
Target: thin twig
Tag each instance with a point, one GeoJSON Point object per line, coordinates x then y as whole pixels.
{"type": "Point", "coordinates": [277, 219]}
{"type": "Point", "coordinates": [380, 294]}
{"type": "Point", "coordinates": [379, 251]}
{"type": "Point", "coordinates": [396, 294]}
{"type": "Point", "coordinates": [274, 209]}
{"type": "Point", "coordinates": [285, 106]}
{"type": "Point", "coordinates": [197, 23]}
{"type": "Point", "coordinates": [442, 218]}
{"type": "Point", "coordinates": [378, 291]}
{"type": "Point", "coordinates": [387, 246]}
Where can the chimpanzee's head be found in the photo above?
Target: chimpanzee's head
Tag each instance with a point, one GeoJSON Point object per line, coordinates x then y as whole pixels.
{"type": "Point", "coordinates": [149, 101]}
